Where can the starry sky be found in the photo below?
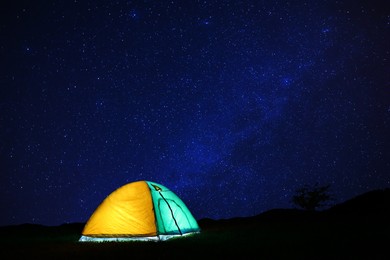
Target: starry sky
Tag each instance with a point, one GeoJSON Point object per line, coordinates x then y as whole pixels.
{"type": "Point", "coordinates": [233, 105]}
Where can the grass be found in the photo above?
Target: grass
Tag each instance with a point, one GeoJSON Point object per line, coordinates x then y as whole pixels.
{"type": "Point", "coordinates": [260, 240]}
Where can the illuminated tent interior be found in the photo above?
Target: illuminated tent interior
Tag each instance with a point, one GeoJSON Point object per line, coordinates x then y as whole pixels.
{"type": "Point", "coordinates": [141, 210]}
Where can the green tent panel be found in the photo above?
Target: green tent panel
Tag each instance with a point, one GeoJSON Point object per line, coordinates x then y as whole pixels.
{"type": "Point", "coordinates": [172, 215]}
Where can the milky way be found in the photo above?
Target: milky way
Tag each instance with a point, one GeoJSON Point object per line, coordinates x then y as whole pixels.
{"type": "Point", "coordinates": [233, 105]}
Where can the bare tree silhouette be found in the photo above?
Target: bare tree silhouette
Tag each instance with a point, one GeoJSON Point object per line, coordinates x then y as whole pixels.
{"type": "Point", "coordinates": [312, 197]}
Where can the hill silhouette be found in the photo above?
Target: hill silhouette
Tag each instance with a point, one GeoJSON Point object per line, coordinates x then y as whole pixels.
{"type": "Point", "coordinates": [357, 228]}
{"type": "Point", "coordinates": [370, 206]}
{"type": "Point", "coordinates": [373, 204]}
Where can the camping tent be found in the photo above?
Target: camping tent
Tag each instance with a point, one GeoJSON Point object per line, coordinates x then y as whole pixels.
{"type": "Point", "coordinates": [141, 210]}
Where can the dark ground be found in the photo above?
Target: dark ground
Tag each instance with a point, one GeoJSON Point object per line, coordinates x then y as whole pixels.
{"type": "Point", "coordinates": [356, 229]}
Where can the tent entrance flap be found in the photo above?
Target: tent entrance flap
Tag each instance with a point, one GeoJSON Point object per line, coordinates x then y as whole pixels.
{"type": "Point", "coordinates": [158, 189]}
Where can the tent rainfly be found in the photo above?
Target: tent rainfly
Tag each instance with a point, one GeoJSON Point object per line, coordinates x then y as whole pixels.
{"type": "Point", "coordinates": [141, 210]}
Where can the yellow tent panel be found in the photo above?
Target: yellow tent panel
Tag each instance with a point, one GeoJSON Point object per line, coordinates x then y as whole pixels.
{"type": "Point", "coordinates": [128, 208]}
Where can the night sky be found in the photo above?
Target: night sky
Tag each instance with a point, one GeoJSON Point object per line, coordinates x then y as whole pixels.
{"type": "Point", "coordinates": [233, 105]}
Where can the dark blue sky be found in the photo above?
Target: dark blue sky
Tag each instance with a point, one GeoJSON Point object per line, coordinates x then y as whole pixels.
{"type": "Point", "coordinates": [231, 104]}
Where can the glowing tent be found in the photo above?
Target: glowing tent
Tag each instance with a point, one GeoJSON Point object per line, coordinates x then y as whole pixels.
{"type": "Point", "coordinates": [141, 210]}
